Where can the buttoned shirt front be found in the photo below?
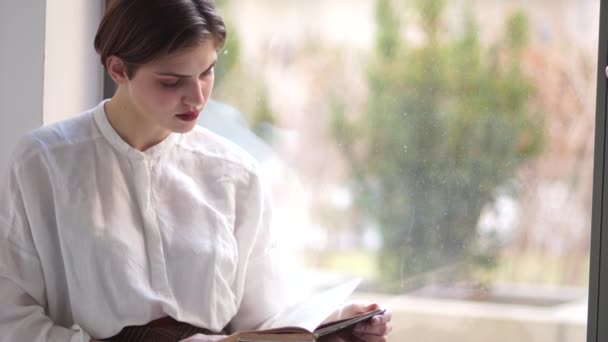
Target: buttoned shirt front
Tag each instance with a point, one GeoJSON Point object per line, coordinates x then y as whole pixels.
{"type": "Point", "coordinates": [95, 235]}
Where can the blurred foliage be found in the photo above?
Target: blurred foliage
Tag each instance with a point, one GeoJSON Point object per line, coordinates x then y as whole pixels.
{"type": "Point", "coordinates": [229, 55]}
{"type": "Point", "coordinates": [263, 117]}
{"type": "Point", "coordinates": [447, 123]}
{"type": "Point", "coordinates": [258, 112]}
{"type": "Point", "coordinates": [357, 263]}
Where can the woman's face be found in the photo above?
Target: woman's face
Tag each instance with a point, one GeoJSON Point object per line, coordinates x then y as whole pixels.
{"type": "Point", "coordinates": [170, 92]}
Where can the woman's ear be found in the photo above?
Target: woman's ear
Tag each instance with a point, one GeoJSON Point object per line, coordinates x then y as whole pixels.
{"type": "Point", "coordinates": [117, 69]}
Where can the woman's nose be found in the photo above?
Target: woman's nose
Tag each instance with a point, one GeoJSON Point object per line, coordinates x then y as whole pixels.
{"type": "Point", "coordinates": [195, 97]}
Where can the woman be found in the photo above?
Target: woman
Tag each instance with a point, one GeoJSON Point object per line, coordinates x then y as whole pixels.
{"type": "Point", "coordinates": [131, 223]}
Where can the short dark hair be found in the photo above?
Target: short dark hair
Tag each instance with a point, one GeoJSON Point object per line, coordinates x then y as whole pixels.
{"type": "Point", "coordinates": [138, 31]}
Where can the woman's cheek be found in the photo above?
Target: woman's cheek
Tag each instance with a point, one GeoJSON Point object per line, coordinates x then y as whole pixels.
{"type": "Point", "coordinates": [208, 89]}
{"type": "Point", "coordinates": [166, 97]}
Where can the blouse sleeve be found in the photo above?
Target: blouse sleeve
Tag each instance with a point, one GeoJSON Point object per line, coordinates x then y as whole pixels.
{"type": "Point", "coordinates": [22, 290]}
{"type": "Point", "coordinates": [263, 286]}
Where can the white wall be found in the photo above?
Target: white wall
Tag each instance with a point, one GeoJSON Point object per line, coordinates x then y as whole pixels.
{"type": "Point", "coordinates": [21, 70]}
{"type": "Point", "coordinates": [72, 70]}
{"type": "Point", "coordinates": [48, 67]}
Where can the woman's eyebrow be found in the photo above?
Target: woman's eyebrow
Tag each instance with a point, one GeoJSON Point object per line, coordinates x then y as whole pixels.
{"type": "Point", "coordinates": [172, 74]}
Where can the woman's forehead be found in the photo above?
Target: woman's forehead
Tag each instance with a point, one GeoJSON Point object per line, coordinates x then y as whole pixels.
{"type": "Point", "coordinates": [199, 56]}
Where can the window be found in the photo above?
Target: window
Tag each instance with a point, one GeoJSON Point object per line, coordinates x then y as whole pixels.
{"type": "Point", "coordinates": [441, 150]}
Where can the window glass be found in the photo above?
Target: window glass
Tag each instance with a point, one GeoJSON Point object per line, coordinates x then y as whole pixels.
{"type": "Point", "coordinates": [440, 150]}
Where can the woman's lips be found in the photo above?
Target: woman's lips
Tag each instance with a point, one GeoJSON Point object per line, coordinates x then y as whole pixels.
{"type": "Point", "coordinates": [189, 116]}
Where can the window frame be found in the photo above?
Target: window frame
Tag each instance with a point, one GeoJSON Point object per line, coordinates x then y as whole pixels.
{"type": "Point", "coordinates": [597, 319]}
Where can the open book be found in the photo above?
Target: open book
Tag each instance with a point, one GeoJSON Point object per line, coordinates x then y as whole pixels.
{"type": "Point", "coordinates": [301, 322]}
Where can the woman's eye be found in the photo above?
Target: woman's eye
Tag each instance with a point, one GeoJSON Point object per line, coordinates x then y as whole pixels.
{"type": "Point", "coordinates": [208, 72]}
{"type": "Point", "coordinates": [170, 84]}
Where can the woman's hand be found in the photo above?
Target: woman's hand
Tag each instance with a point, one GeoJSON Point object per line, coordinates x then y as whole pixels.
{"type": "Point", "coordinates": [374, 329]}
{"type": "Point", "coordinates": [204, 338]}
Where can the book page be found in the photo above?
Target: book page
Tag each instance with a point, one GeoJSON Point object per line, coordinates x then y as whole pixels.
{"type": "Point", "coordinates": [311, 311]}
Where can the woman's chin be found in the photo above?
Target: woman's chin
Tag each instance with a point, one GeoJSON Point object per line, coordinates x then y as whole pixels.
{"type": "Point", "coordinates": [184, 127]}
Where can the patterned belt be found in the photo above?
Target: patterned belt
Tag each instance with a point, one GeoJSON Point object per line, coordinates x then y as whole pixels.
{"type": "Point", "coordinates": [165, 329]}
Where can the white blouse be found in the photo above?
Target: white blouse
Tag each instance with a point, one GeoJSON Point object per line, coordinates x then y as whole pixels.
{"type": "Point", "coordinates": [95, 235]}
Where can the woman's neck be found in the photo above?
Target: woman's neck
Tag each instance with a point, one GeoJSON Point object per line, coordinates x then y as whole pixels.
{"type": "Point", "coordinates": [133, 127]}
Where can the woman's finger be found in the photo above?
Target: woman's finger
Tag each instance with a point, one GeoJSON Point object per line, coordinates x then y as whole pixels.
{"type": "Point", "coordinates": [378, 330]}
{"type": "Point", "coordinates": [386, 317]}
{"type": "Point", "coordinates": [356, 307]}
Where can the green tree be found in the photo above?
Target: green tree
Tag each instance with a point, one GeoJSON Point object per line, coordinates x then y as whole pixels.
{"type": "Point", "coordinates": [249, 94]}
{"type": "Point", "coordinates": [229, 55]}
{"type": "Point", "coordinates": [447, 123]}
{"type": "Point", "coordinates": [263, 116]}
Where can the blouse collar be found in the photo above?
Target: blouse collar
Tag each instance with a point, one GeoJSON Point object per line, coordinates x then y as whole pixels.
{"type": "Point", "coordinates": [122, 146]}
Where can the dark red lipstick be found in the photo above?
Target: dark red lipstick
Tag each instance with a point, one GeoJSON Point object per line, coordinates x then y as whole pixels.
{"type": "Point", "coordinates": [188, 116]}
